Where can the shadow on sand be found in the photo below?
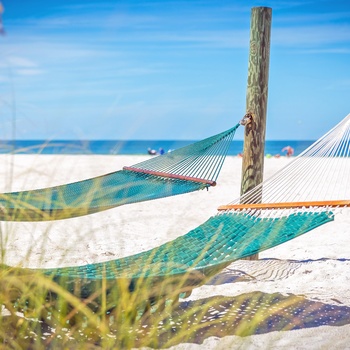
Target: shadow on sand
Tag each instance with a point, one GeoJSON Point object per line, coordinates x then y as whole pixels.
{"type": "Point", "coordinates": [246, 314]}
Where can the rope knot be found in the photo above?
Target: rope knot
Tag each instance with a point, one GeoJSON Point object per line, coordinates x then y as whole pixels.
{"type": "Point", "coordinates": [247, 119]}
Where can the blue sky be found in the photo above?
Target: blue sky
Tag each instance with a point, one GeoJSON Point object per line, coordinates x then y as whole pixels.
{"type": "Point", "coordinates": [167, 69]}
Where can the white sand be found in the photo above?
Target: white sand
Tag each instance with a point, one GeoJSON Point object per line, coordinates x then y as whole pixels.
{"type": "Point", "coordinates": [315, 265]}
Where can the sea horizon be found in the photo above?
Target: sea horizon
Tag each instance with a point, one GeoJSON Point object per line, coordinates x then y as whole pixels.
{"type": "Point", "coordinates": [132, 147]}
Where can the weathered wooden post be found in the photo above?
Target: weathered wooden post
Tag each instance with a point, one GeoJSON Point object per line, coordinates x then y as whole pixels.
{"type": "Point", "coordinates": [256, 100]}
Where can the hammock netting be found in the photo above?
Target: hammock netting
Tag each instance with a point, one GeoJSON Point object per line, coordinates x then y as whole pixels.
{"type": "Point", "coordinates": [188, 261]}
{"type": "Point", "coordinates": [191, 168]}
{"type": "Point", "coordinates": [236, 233]}
{"type": "Point", "coordinates": [218, 242]}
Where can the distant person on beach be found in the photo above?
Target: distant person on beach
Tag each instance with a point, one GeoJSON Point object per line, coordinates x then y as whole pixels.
{"type": "Point", "coordinates": [161, 151]}
{"type": "Point", "coordinates": [152, 152]}
{"type": "Point", "coordinates": [289, 150]}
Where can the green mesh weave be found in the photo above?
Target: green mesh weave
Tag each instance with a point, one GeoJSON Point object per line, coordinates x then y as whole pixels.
{"type": "Point", "coordinates": [202, 160]}
{"type": "Point", "coordinates": [219, 241]}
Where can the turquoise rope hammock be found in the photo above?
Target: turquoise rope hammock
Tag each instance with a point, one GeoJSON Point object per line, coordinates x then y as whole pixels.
{"type": "Point", "coordinates": [187, 169]}
{"type": "Point", "coordinates": [190, 260]}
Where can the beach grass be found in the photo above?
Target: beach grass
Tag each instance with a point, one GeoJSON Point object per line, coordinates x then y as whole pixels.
{"type": "Point", "coordinates": [42, 311]}
{"type": "Point", "coordinates": [39, 312]}
{"type": "Point", "coordinates": [45, 309]}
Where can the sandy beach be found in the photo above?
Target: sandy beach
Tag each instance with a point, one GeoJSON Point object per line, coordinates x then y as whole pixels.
{"type": "Point", "coordinates": [314, 268]}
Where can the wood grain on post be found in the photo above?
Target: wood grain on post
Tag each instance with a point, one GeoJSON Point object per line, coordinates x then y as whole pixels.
{"type": "Point", "coordinates": [256, 100]}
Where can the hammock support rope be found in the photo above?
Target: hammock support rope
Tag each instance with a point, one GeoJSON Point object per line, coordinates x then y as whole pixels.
{"type": "Point", "coordinates": [319, 177]}
{"type": "Point", "coordinates": [190, 168]}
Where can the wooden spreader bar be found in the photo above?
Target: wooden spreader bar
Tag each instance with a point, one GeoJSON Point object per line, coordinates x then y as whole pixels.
{"type": "Point", "coordinates": [171, 176]}
{"type": "Point", "coordinates": [286, 205]}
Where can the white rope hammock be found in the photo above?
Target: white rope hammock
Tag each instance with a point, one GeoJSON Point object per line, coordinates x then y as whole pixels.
{"type": "Point", "coordinates": [317, 179]}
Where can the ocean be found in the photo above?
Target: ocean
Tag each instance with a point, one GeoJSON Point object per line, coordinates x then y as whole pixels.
{"type": "Point", "coordinates": [133, 147]}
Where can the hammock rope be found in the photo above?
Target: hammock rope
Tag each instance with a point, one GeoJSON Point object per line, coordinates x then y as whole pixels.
{"type": "Point", "coordinates": [190, 168]}
{"type": "Point", "coordinates": [318, 177]}
{"type": "Point", "coordinates": [203, 159]}
{"type": "Point", "coordinates": [240, 230]}
{"type": "Point", "coordinates": [232, 233]}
